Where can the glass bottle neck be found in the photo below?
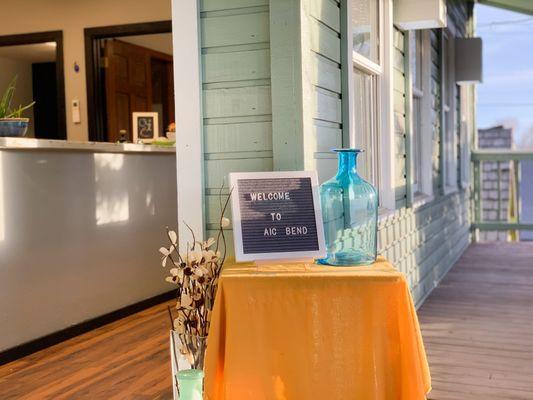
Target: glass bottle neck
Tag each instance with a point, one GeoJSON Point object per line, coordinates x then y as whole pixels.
{"type": "Point", "coordinates": [347, 162]}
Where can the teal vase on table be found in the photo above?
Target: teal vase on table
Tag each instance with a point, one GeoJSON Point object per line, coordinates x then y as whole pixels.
{"type": "Point", "coordinates": [349, 213]}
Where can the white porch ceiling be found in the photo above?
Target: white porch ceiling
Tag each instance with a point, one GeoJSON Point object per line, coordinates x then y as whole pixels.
{"type": "Point", "coordinates": [522, 6]}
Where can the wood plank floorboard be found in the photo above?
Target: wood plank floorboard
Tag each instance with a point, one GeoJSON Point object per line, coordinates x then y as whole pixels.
{"type": "Point", "coordinates": [127, 359]}
{"type": "Point", "coordinates": [478, 325]}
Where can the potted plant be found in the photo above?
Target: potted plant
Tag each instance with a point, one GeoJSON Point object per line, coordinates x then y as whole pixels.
{"type": "Point", "coordinates": [11, 121]}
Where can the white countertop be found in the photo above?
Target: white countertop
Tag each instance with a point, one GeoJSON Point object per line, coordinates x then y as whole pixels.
{"type": "Point", "coordinates": [14, 143]}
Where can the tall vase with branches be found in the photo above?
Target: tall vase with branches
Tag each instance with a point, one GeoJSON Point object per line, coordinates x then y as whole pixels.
{"type": "Point", "coordinates": [195, 270]}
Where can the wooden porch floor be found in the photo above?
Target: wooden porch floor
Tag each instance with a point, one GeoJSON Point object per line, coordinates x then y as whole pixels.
{"type": "Point", "coordinates": [477, 327]}
{"type": "Point", "coordinates": [127, 359]}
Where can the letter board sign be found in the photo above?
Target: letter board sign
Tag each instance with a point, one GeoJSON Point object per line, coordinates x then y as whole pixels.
{"type": "Point", "coordinates": [276, 215]}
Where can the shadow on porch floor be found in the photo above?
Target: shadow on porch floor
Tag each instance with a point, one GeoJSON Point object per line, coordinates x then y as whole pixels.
{"type": "Point", "coordinates": [478, 325]}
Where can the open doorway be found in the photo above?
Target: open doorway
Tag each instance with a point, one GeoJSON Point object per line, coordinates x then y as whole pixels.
{"type": "Point", "coordinates": [36, 60]}
{"type": "Point", "coordinates": [130, 71]}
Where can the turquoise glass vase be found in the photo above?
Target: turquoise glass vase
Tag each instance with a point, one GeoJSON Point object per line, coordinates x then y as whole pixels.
{"type": "Point", "coordinates": [349, 212]}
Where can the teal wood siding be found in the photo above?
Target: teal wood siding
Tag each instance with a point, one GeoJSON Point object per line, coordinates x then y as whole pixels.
{"type": "Point", "coordinates": [458, 14]}
{"type": "Point", "coordinates": [436, 112]}
{"type": "Point", "coordinates": [239, 48]}
{"type": "Point", "coordinates": [324, 76]}
{"type": "Point", "coordinates": [237, 116]}
{"type": "Point", "coordinates": [399, 82]}
{"type": "Point", "coordinates": [424, 242]}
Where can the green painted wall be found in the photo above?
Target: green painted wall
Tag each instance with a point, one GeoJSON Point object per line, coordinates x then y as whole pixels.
{"type": "Point", "coordinates": [273, 100]}
{"type": "Point", "coordinates": [436, 113]}
{"type": "Point", "coordinates": [425, 242]}
{"type": "Point", "coordinates": [322, 72]}
{"type": "Point", "coordinates": [237, 105]}
{"type": "Point", "coordinates": [399, 89]}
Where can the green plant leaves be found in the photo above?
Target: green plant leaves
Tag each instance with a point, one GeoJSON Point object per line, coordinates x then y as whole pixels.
{"type": "Point", "coordinates": [5, 102]}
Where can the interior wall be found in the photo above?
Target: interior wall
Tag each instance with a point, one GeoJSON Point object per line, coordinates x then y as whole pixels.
{"type": "Point", "coordinates": [24, 92]}
{"type": "Point", "coordinates": [72, 17]}
{"type": "Point", "coordinates": [79, 233]}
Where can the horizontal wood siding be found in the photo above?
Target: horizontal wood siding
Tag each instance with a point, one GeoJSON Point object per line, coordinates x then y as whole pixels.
{"type": "Point", "coordinates": [435, 112]}
{"type": "Point", "coordinates": [424, 242]}
{"type": "Point", "coordinates": [237, 105]}
{"type": "Point", "coordinates": [398, 79]}
{"type": "Point", "coordinates": [324, 75]}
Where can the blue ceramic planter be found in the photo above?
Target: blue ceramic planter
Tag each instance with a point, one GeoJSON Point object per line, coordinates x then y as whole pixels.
{"type": "Point", "coordinates": [13, 127]}
{"type": "Point", "coordinates": [349, 212]}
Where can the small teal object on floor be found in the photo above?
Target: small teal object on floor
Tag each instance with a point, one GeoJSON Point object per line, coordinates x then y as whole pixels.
{"type": "Point", "coordinates": [349, 212]}
{"type": "Point", "coordinates": [190, 382]}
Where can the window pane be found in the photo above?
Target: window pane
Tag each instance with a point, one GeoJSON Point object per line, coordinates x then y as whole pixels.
{"type": "Point", "coordinates": [416, 58]}
{"type": "Point", "coordinates": [417, 142]}
{"type": "Point", "coordinates": [366, 119]}
{"type": "Point", "coordinates": [365, 27]}
{"type": "Point", "coordinates": [446, 70]}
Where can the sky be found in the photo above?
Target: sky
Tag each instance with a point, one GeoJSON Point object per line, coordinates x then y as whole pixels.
{"type": "Point", "coordinates": [506, 94]}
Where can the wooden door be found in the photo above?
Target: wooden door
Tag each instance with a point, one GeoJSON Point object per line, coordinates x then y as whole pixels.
{"type": "Point", "coordinates": [128, 85]}
{"type": "Point", "coordinates": [162, 90]}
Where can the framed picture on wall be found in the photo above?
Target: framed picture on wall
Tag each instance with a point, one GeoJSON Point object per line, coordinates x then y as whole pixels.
{"type": "Point", "coordinates": [145, 126]}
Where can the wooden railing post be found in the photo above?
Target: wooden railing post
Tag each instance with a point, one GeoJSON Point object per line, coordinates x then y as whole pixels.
{"type": "Point", "coordinates": [512, 221]}
{"type": "Point", "coordinates": [477, 195]}
{"type": "Point", "coordinates": [517, 177]}
{"type": "Point", "coordinates": [499, 189]}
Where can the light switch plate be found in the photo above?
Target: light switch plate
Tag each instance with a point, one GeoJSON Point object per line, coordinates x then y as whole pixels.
{"type": "Point", "coordinates": [76, 118]}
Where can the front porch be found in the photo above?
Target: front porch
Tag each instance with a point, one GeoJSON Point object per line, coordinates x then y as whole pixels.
{"type": "Point", "coordinates": [476, 326]}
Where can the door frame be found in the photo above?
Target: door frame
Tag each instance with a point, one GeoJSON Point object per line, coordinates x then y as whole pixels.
{"type": "Point", "coordinates": [97, 128]}
{"type": "Point", "coordinates": [43, 37]}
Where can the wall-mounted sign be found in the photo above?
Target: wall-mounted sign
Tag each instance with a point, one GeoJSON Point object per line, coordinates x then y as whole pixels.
{"type": "Point", "coordinates": [145, 126]}
{"type": "Point", "coordinates": [276, 215]}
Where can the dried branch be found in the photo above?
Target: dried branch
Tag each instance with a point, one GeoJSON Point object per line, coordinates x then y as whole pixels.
{"type": "Point", "coordinates": [193, 237]}
{"type": "Point", "coordinates": [196, 275]}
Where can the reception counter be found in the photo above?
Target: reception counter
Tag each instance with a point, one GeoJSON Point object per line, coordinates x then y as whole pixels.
{"type": "Point", "coordinates": [80, 225]}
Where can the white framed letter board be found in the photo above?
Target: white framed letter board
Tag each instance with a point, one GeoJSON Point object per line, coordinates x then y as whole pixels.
{"type": "Point", "coordinates": [276, 215]}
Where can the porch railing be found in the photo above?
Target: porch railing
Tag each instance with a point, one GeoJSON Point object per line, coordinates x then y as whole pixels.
{"type": "Point", "coordinates": [497, 190]}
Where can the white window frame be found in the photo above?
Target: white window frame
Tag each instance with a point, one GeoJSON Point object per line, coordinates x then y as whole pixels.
{"type": "Point", "coordinates": [383, 70]}
{"type": "Point", "coordinates": [188, 113]}
{"type": "Point", "coordinates": [422, 192]}
{"type": "Point", "coordinates": [466, 129]}
{"type": "Point", "coordinates": [448, 118]}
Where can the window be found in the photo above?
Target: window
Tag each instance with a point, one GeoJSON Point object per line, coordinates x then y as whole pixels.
{"type": "Point", "coordinates": [365, 28]}
{"type": "Point", "coordinates": [366, 76]}
{"type": "Point", "coordinates": [415, 50]}
{"type": "Point", "coordinates": [449, 93]}
{"type": "Point", "coordinates": [466, 112]}
{"type": "Point", "coordinates": [370, 99]}
{"type": "Point", "coordinates": [421, 129]}
{"type": "Point", "coordinates": [366, 124]}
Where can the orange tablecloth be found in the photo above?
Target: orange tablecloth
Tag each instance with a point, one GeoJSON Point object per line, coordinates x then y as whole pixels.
{"type": "Point", "coordinates": [295, 331]}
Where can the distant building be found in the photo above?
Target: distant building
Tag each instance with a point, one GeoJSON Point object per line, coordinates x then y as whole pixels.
{"type": "Point", "coordinates": [496, 196]}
